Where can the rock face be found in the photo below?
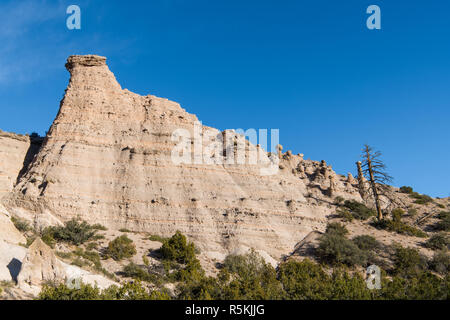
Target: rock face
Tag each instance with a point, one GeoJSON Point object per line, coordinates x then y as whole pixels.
{"type": "Point", "coordinates": [11, 254]}
{"type": "Point", "coordinates": [11, 257]}
{"type": "Point", "coordinates": [108, 159]}
{"type": "Point", "coordinates": [40, 265]}
{"type": "Point", "coordinates": [16, 153]}
{"type": "Point", "coordinates": [8, 232]}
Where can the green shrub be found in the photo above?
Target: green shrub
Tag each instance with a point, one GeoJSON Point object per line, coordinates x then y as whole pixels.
{"type": "Point", "coordinates": [307, 280]}
{"type": "Point", "coordinates": [424, 286]}
{"type": "Point", "coordinates": [366, 242]}
{"type": "Point", "coordinates": [335, 249]}
{"type": "Point", "coordinates": [251, 278]}
{"type": "Point", "coordinates": [399, 227]}
{"type": "Point", "coordinates": [444, 223]}
{"type": "Point", "coordinates": [397, 215]}
{"type": "Point", "coordinates": [64, 255]}
{"type": "Point", "coordinates": [79, 262]}
{"type": "Point", "coordinates": [443, 215]}
{"type": "Point", "coordinates": [338, 200]}
{"type": "Point", "coordinates": [74, 232]}
{"type": "Point", "coordinates": [145, 260]}
{"type": "Point", "coordinates": [180, 256]}
{"type": "Point", "coordinates": [245, 277]}
{"type": "Point", "coordinates": [412, 212]}
{"type": "Point", "coordinates": [121, 248]}
{"type": "Point", "coordinates": [359, 210]}
{"type": "Point", "coordinates": [178, 249]}
{"type": "Point", "coordinates": [304, 280]}
{"type": "Point", "coordinates": [421, 198]}
{"type": "Point", "coordinates": [133, 291]}
{"type": "Point", "coordinates": [86, 258]}
{"type": "Point", "coordinates": [336, 228]}
{"type": "Point", "coordinates": [20, 224]}
{"type": "Point", "coordinates": [99, 227]}
{"type": "Point", "coordinates": [46, 236]}
{"type": "Point", "coordinates": [129, 291]}
{"type": "Point", "coordinates": [441, 262]}
{"type": "Point", "coordinates": [134, 271]}
{"type": "Point", "coordinates": [438, 241]}
{"type": "Point", "coordinates": [406, 189]}
{"type": "Point", "coordinates": [92, 246]}
{"type": "Point", "coordinates": [408, 262]}
{"type": "Point", "coordinates": [91, 256]}
{"type": "Point", "coordinates": [124, 230]}
{"type": "Point", "coordinates": [206, 288]}
{"type": "Point", "coordinates": [63, 292]}
{"type": "Point", "coordinates": [344, 215]}
{"type": "Point", "coordinates": [157, 238]}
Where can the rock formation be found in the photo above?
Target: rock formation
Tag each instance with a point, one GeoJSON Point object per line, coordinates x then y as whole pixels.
{"type": "Point", "coordinates": [16, 152]}
{"type": "Point", "coordinates": [40, 265]}
{"type": "Point", "coordinates": [350, 179]}
{"type": "Point", "coordinates": [107, 159]}
{"type": "Point", "coordinates": [362, 182]}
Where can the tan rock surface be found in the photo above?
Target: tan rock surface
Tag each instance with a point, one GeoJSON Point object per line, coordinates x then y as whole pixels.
{"type": "Point", "coordinates": [11, 257]}
{"type": "Point", "coordinates": [8, 231]}
{"type": "Point", "coordinates": [40, 265]}
{"type": "Point", "coordinates": [13, 149]}
{"type": "Point", "coordinates": [107, 159]}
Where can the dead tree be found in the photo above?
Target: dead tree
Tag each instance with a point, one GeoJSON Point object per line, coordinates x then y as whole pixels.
{"type": "Point", "coordinates": [374, 170]}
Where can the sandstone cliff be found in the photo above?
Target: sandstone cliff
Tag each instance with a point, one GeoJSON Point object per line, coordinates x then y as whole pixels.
{"type": "Point", "coordinates": [16, 153]}
{"type": "Point", "coordinates": [107, 159]}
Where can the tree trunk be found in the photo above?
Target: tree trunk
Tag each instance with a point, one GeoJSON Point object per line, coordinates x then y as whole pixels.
{"type": "Point", "coordinates": [374, 189]}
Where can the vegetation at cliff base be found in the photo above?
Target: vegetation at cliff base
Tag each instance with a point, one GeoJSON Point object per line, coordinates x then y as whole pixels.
{"type": "Point", "coordinates": [250, 277]}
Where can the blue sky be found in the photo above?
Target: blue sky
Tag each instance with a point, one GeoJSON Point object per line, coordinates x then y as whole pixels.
{"type": "Point", "coordinates": [309, 68]}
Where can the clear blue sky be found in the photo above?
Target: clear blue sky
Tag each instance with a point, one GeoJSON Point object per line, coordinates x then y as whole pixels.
{"type": "Point", "coordinates": [309, 68]}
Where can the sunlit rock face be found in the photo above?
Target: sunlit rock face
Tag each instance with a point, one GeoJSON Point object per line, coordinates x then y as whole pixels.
{"type": "Point", "coordinates": [108, 158]}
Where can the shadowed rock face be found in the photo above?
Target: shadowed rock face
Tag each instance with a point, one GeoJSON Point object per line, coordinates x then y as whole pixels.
{"type": "Point", "coordinates": [107, 159]}
{"type": "Point", "coordinates": [16, 153]}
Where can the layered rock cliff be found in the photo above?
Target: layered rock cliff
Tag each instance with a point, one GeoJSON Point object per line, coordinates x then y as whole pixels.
{"type": "Point", "coordinates": [108, 158]}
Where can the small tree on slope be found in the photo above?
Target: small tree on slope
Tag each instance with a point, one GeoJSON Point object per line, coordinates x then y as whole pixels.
{"type": "Point", "coordinates": [374, 171]}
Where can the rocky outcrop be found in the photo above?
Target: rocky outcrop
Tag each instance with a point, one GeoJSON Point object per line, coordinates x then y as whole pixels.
{"type": "Point", "coordinates": [11, 253]}
{"type": "Point", "coordinates": [16, 153]}
{"type": "Point", "coordinates": [40, 265]}
{"type": "Point", "coordinates": [8, 232]}
{"type": "Point", "coordinates": [108, 158]}
{"type": "Point", "coordinates": [11, 256]}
